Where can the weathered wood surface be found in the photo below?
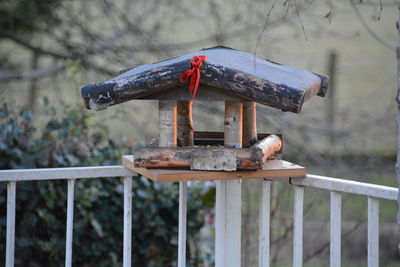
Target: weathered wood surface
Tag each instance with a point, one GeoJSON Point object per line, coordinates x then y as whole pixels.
{"type": "Point", "coordinates": [167, 113]}
{"type": "Point", "coordinates": [185, 157]}
{"type": "Point", "coordinates": [232, 72]}
{"type": "Point", "coordinates": [209, 158]}
{"type": "Point", "coordinates": [249, 123]}
{"type": "Point", "coordinates": [275, 169]}
{"type": "Point", "coordinates": [185, 123]}
{"type": "Point", "coordinates": [233, 124]}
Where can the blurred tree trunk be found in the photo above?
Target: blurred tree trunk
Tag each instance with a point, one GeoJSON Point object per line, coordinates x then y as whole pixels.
{"type": "Point", "coordinates": [398, 123]}
{"type": "Point", "coordinates": [331, 107]}
{"type": "Point", "coordinates": [33, 83]}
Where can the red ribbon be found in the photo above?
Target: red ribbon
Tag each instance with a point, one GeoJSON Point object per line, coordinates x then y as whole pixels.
{"type": "Point", "coordinates": [194, 74]}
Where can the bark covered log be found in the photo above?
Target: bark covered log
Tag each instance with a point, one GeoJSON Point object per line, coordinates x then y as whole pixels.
{"type": "Point", "coordinates": [208, 158]}
{"type": "Point", "coordinates": [268, 146]}
{"type": "Point", "coordinates": [183, 157]}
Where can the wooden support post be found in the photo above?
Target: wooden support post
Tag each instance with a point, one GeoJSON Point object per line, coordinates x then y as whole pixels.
{"type": "Point", "coordinates": [185, 138]}
{"type": "Point", "coordinates": [233, 124]}
{"type": "Point", "coordinates": [249, 123]}
{"type": "Point", "coordinates": [228, 197]}
{"type": "Point", "coordinates": [185, 123]}
{"type": "Point", "coordinates": [167, 123]}
{"type": "Point", "coordinates": [248, 139]}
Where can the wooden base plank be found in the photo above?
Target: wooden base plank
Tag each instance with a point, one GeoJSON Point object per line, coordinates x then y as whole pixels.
{"type": "Point", "coordinates": [271, 169]}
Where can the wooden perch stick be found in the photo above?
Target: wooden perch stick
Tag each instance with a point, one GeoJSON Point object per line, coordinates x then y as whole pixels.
{"type": "Point", "coordinates": [205, 139]}
{"type": "Point", "coordinates": [269, 146]}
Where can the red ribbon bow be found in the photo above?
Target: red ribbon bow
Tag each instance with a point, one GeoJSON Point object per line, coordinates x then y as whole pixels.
{"type": "Point", "coordinates": [194, 74]}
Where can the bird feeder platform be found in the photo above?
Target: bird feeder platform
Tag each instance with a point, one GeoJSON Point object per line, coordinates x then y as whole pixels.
{"type": "Point", "coordinates": [272, 169]}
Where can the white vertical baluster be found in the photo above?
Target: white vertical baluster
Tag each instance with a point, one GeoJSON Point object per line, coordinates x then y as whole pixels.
{"type": "Point", "coordinates": [228, 223]}
{"type": "Point", "coordinates": [336, 229]}
{"type": "Point", "coordinates": [373, 232]}
{"type": "Point", "coordinates": [220, 223]}
{"type": "Point", "coordinates": [182, 224]}
{"type": "Point", "coordinates": [70, 222]}
{"type": "Point", "coordinates": [127, 222]}
{"type": "Point", "coordinates": [10, 243]}
{"type": "Point", "coordinates": [265, 200]}
{"type": "Point", "coordinates": [233, 222]}
{"type": "Point", "coordinates": [298, 226]}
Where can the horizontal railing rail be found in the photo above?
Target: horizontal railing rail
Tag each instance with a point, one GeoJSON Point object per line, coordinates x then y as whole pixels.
{"type": "Point", "coordinates": [335, 185]}
{"type": "Point", "coordinates": [347, 186]}
{"type": "Point", "coordinates": [19, 175]}
{"type": "Point", "coordinates": [70, 174]}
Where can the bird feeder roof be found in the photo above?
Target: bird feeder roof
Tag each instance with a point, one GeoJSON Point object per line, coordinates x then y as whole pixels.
{"type": "Point", "coordinates": [226, 75]}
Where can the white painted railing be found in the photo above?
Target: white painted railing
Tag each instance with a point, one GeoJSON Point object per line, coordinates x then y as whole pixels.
{"type": "Point", "coordinates": [69, 174]}
{"type": "Point", "coordinates": [334, 185]}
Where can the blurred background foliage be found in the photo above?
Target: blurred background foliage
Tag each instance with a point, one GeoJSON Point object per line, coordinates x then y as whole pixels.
{"type": "Point", "coordinates": [50, 48]}
{"type": "Point", "coordinates": [68, 141]}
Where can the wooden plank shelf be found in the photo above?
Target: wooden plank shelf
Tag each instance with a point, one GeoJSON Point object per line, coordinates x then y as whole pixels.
{"type": "Point", "coordinates": [272, 169]}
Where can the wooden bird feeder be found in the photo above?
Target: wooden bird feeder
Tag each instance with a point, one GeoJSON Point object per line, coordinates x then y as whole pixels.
{"type": "Point", "coordinates": [238, 78]}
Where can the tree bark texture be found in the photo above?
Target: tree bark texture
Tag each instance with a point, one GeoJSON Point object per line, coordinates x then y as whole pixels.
{"type": "Point", "coordinates": [184, 157]}
{"type": "Point", "coordinates": [268, 147]}
{"type": "Point", "coordinates": [331, 107]}
{"type": "Point", "coordinates": [33, 83]}
{"type": "Point", "coordinates": [217, 158]}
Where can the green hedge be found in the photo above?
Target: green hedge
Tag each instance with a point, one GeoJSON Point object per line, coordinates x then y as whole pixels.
{"type": "Point", "coordinates": [98, 221]}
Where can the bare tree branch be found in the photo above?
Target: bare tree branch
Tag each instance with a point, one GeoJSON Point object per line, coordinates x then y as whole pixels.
{"type": "Point", "coordinates": [366, 26]}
